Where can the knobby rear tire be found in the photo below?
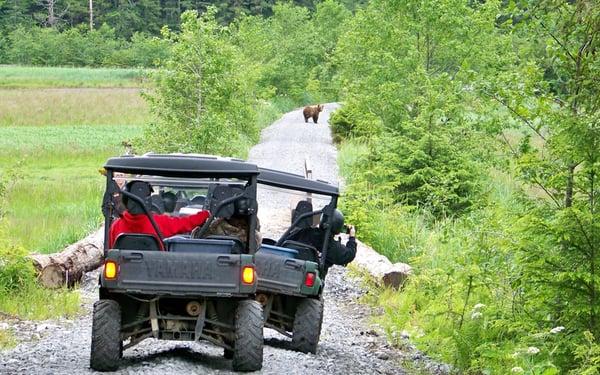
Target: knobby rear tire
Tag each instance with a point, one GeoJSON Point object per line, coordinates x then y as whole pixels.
{"type": "Point", "coordinates": [248, 347]}
{"type": "Point", "coordinates": [307, 325]}
{"type": "Point", "coordinates": [107, 346]}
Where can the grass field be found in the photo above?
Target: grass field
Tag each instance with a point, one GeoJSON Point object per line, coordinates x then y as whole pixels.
{"type": "Point", "coordinates": [54, 138]}
{"type": "Point", "coordinates": [55, 199]}
{"type": "Point", "coordinates": [43, 77]}
{"type": "Point", "coordinates": [68, 106]}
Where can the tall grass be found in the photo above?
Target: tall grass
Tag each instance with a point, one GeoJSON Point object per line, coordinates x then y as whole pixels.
{"type": "Point", "coordinates": [349, 155]}
{"type": "Point", "coordinates": [12, 76]}
{"type": "Point", "coordinates": [67, 106]}
{"type": "Point", "coordinates": [36, 303]}
{"type": "Point", "coordinates": [56, 198]}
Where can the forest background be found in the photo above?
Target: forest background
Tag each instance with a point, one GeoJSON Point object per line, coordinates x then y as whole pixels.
{"type": "Point", "coordinates": [469, 140]}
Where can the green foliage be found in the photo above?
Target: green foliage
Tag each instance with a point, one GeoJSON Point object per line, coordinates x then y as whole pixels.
{"type": "Point", "coordinates": [588, 355]}
{"type": "Point", "coordinates": [204, 98]}
{"type": "Point", "coordinates": [293, 50]}
{"type": "Point", "coordinates": [509, 282]}
{"type": "Point", "coordinates": [408, 88]}
{"type": "Point", "coordinates": [100, 47]}
{"type": "Point", "coordinates": [16, 271]}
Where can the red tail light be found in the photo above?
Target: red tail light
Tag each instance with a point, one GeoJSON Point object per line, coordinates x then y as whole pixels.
{"type": "Point", "coordinates": [309, 281]}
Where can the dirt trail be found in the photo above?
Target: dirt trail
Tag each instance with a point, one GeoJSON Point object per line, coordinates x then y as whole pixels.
{"type": "Point", "coordinates": [349, 345]}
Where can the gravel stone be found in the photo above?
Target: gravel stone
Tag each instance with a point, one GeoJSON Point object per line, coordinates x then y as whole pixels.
{"type": "Point", "coordinates": [349, 344]}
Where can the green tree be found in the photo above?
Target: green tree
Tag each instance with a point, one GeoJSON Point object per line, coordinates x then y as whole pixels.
{"type": "Point", "coordinates": [203, 100]}
{"type": "Point", "coordinates": [558, 103]}
{"type": "Point", "coordinates": [407, 71]}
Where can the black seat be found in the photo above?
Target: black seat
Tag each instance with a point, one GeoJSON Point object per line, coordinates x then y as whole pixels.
{"type": "Point", "coordinates": [269, 241]}
{"type": "Point", "coordinates": [302, 207]}
{"type": "Point", "coordinates": [198, 200]}
{"type": "Point", "coordinates": [158, 205]}
{"type": "Point", "coordinates": [238, 248]}
{"type": "Point", "coordinates": [136, 241]}
{"type": "Point", "coordinates": [305, 251]}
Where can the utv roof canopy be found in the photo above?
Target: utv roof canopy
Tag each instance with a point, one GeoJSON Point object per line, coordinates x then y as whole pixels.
{"type": "Point", "coordinates": [181, 165]}
{"type": "Point", "coordinates": [296, 182]}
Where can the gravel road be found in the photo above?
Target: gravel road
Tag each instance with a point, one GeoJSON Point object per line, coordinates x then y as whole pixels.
{"type": "Point", "coordinates": [349, 344]}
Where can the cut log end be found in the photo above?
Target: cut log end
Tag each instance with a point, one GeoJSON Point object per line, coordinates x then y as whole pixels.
{"type": "Point", "coordinates": [380, 268]}
{"type": "Point", "coordinates": [52, 276]}
{"type": "Point", "coordinates": [68, 267]}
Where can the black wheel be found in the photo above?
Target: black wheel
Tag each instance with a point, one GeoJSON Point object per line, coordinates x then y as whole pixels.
{"type": "Point", "coordinates": [248, 346]}
{"type": "Point", "coordinates": [307, 325]}
{"type": "Point", "coordinates": [106, 336]}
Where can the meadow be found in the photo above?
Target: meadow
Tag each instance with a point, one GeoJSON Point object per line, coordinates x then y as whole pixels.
{"type": "Point", "coordinates": [72, 106]}
{"type": "Point", "coordinates": [53, 140]}
{"type": "Point", "coordinates": [12, 76]}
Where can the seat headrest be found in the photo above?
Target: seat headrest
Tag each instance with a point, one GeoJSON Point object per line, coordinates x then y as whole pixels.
{"type": "Point", "coordinates": [303, 207]}
{"type": "Point", "coordinates": [140, 189]}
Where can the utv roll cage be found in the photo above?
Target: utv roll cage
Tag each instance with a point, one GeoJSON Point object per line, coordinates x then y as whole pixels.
{"type": "Point", "coordinates": [291, 181]}
{"type": "Point", "coordinates": [193, 166]}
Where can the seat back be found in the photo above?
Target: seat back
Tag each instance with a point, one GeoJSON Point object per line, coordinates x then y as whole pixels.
{"type": "Point", "coordinates": [305, 251]}
{"type": "Point", "coordinates": [302, 207]}
{"type": "Point", "coordinates": [137, 241]}
{"type": "Point", "coordinates": [239, 246]}
{"type": "Point", "coordinates": [209, 245]}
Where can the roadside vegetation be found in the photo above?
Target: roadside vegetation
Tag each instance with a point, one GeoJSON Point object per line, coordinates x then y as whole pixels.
{"type": "Point", "coordinates": [469, 144]}
{"type": "Point", "coordinates": [20, 296]}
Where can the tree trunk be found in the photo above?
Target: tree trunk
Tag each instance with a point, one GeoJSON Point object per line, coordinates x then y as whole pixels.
{"type": "Point", "coordinates": [67, 267]}
{"type": "Point", "coordinates": [91, 15]}
{"type": "Point", "coordinates": [569, 188]}
{"type": "Point", "coordinates": [383, 271]}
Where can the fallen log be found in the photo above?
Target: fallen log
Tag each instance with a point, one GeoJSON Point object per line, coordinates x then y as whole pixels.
{"type": "Point", "coordinates": [68, 267]}
{"type": "Point", "coordinates": [383, 271]}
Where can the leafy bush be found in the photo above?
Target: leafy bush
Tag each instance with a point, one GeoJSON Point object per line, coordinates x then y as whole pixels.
{"type": "Point", "coordinates": [142, 51]}
{"type": "Point", "coordinates": [204, 98]}
{"type": "Point", "coordinates": [16, 271]}
{"type": "Point", "coordinates": [588, 355]}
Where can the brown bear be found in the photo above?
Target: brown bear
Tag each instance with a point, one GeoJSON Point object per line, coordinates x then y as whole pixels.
{"type": "Point", "coordinates": [312, 111]}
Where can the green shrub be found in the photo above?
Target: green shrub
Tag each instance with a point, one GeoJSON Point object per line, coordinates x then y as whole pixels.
{"type": "Point", "coordinates": [16, 271]}
{"type": "Point", "coordinates": [341, 125]}
{"type": "Point", "coordinates": [588, 356]}
{"type": "Point", "coordinates": [204, 99]}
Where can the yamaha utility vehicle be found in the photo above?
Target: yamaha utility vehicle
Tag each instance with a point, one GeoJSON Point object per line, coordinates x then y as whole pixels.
{"type": "Point", "coordinates": [188, 287]}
